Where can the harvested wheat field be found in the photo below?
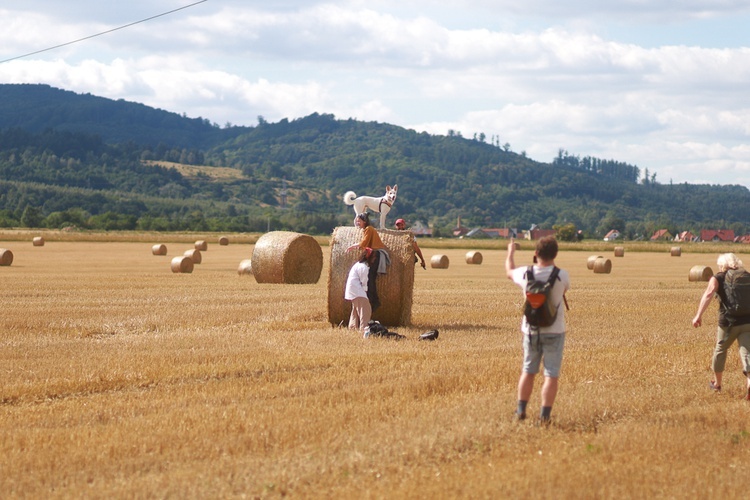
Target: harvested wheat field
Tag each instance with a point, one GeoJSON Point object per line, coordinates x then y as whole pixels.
{"type": "Point", "coordinates": [123, 379]}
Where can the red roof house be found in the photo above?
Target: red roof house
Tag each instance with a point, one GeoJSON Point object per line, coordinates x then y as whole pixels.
{"type": "Point", "coordinates": [717, 235]}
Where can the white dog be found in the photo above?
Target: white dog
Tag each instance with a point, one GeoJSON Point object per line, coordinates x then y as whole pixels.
{"type": "Point", "coordinates": [380, 205]}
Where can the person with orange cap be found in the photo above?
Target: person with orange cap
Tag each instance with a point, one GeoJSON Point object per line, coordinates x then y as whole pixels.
{"type": "Point", "coordinates": [401, 226]}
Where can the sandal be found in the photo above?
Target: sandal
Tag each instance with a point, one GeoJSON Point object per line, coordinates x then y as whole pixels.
{"type": "Point", "coordinates": [712, 385]}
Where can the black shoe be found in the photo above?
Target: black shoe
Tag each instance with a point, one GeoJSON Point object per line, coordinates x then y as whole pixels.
{"type": "Point", "coordinates": [520, 416]}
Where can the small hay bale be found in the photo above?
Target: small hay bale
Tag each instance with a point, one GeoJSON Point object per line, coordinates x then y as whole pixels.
{"type": "Point", "coordinates": [246, 267]}
{"type": "Point", "coordinates": [287, 257]}
{"type": "Point", "coordinates": [675, 251]}
{"type": "Point", "coordinates": [201, 245]}
{"type": "Point", "coordinates": [439, 261]}
{"type": "Point", "coordinates": [182, 264]}
{"type": "Point", "coordinates": [619, 251]}
{"type": "Point", "coordinates": [223, 241]}
{"type": "Point", "coordinates": [395, 288]}
{"type": "Point", "coordinates": [473, 257]}
{"type": "Point", "coordinates": [602, 266]}
{"type": "Point", "coordinates": [159, 249]}
{"type": "Point", "coordinates": [6, 257]}
{"type": "Point", "coordinates": [591, 260]}
{"type": "Point", "coordinates": [195, 255]}
{"type": "Point", "coordinates": [38, 241]}
{"type": "Point", "coordinates": [700, 273]}
{"type": "Point", "coordinates": [516, 245]}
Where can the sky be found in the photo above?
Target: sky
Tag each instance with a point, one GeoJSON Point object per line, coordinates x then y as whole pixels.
{"type": "Point", "coordinates": [660, 84]}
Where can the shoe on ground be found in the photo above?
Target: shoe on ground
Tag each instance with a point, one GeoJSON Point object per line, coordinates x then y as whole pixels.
{"type": "Point", "coordinates": [712, 385]}
{"type": "Point", "coordinates": [520, 416]}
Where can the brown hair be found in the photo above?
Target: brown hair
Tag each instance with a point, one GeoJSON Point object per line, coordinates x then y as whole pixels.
{"type": "Point", "coordinates": [546, 248]}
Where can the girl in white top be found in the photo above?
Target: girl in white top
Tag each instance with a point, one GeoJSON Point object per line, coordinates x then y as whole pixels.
{"type": "Point", "coordinates": [356, 291]}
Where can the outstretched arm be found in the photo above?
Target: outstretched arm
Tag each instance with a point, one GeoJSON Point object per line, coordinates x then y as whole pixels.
{"type": "Point", "coordinates": [713, 286]}
{"type": "Point", "coordinates": [510, 263]}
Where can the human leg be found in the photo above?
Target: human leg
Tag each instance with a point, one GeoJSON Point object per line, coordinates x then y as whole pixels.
{"type": "Point", "coordinates": [372, 289]}
{"type": "Point", "coordinates": [552, 351]}
{"type": "Point", "coordinates": [724, 339]}
{"type": "Point", "coordinates": [532, 357]}
{"type": "Point", "coordinates": [743, 339]}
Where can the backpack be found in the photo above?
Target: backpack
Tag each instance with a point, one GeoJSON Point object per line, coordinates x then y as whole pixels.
{"type": "Point", "coordinates": [538, 308]}
{"type": "Point", "coordinates": [737, 292]}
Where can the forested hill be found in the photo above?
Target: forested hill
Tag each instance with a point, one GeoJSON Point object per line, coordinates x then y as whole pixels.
{"type": "Point", "coordinates": [79, 160]}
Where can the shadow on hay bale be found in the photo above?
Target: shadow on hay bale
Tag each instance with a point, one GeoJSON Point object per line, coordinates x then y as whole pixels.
{"type": "Point", "coordinates": [195, 255]}
{"type": "Point", "coordinates": [182, 264]}
{"type": "Point", "coordinates": [439, 261]}
{"type": "Point", "coordinates": [159, 249]}
{"type": "Point", "coordinates": [474, 257]}
{"type": "Point", "coordinates": [6, 257]}
{"type": "Point", "coordinates": [591, 260]}
{"type": "Point", "coordinates": [395, 288]}
{"type": "Point", "coordinates": [287, 257]}
{"type": "Point", "coordinates": [700, 273]}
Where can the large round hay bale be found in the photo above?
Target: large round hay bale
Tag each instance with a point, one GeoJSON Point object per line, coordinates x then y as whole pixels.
{"type": "Point", "coordinates": [675, 251]}
{"type": "Point", "coordinates": [223, 241]}
{"type": "Point", "coordinates": [473, 257]}
{"type": "Point", "coordinates": [700, 273]}
{"type": "Point", "coordinates": [287, 257]}
{"type": "Point", "coordinates": [591, 260]}
{"type": "Point", "coordinates": [395, 288]}
{"type": "Point", "coordinates": [439, 261]}
{"type": "Point", "coordinates": [182, 264]}
{"type": "Point", "coordinates": [602, 266]}
{"type": "Point", "coordinates": [245, 267]}
{"type": "Point", "coordinates": [6, 257]}
{"type": "Point", "coordinates": [619, 251]}
{"type": "Point", "coordinates": [38, 241]}
{"type": "Point", "coordinates": [195, 255]}
{"type": "Point", "coordinates": [201, 245]}
{"type": "Point", "coordinates": [159, 249]}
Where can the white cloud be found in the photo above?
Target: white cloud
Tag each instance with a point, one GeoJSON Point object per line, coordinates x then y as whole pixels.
{"type": "Point", "coordinates": [540, 74]}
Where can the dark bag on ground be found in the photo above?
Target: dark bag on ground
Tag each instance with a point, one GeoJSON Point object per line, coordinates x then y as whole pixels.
{"type": "Point", "coordinates": [538, 308]}
{"type": "Point", "coordinates": [378, 330]}
{"type": "Point", "coordinates": [737, 292]}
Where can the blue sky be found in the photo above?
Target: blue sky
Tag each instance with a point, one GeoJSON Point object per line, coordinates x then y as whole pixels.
{"type": "Point", "coordinates": [657, 84]}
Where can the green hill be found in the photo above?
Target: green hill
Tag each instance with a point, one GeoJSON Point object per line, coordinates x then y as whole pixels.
{"type": "Point", "coordinates": [71, 159]}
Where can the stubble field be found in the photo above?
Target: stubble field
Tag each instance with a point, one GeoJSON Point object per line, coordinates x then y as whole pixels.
{"type": "Point", "coordinates": [122, 379]}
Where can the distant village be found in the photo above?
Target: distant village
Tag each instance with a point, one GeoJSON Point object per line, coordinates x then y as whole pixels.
{"type": "Point", "coordinates": [535, 232]}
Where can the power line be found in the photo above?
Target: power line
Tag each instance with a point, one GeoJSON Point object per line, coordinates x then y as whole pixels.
{"type": "Point", "coordinates": [102, 33]}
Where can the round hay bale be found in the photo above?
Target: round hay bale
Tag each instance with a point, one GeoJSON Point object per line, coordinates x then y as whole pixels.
{"type": "Point", "coordinates": [6, 257]}
{"type": "Point", "coordinates": [195, 255]}
{"type": "Point", "coordinates": [473, 257]}
{"type": "Point", "coordinates": [159, 249]}
{"type": "Point", "coordinates": [602, 266]}
{"type": "Point", "coordinates": [38, 241]}
{"type": "Point", "coordinates": [223, 241]}
{"type": "Point", "coordinates": [619, 251]}
{"type": "Point", "coordinates": [201, 245]}
{"type": "Point", "coordinates": [395, 288]}
{"type": "Point", "coordinates": [182, 264]}
{"type": "Point", "coordinates": [439, 261]}
{"type": "Point", "coordinates": [700, 273]}
{"type": "Point", "coordinates": [287, 257]}
{"type": "Point", "coordinates": [246, 267]}
{"type": "Point", "coordinates": [591, 260]}
{"type": "Point", "coordinates": [675, 251]}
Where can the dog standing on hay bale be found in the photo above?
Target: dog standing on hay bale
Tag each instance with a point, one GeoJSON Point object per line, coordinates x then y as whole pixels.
{"type": "Point", "coordinates": [395, 288]}
{"type": "Point", "coordinates": [287, 257]}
